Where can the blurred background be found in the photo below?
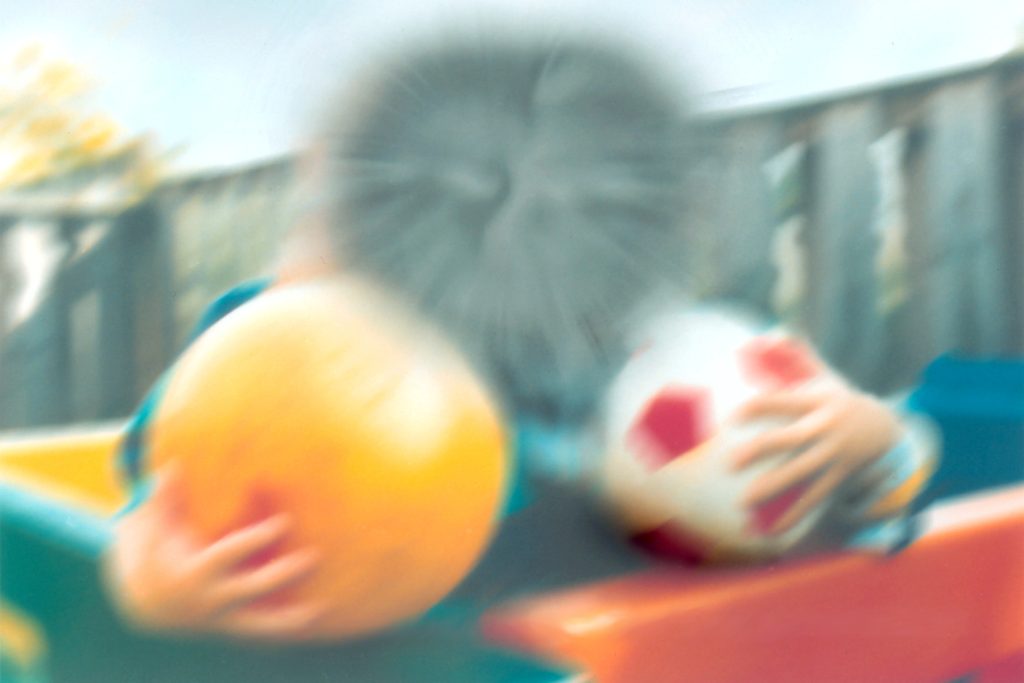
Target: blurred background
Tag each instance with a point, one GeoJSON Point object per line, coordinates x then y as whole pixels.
{"type": "Point", "coordinates": [866, 183]}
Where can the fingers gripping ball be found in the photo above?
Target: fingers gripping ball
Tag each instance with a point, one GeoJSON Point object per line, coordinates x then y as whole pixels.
{"type": "Point", "coordinates": [667, 473]}
{"type": "Point", "coordinates": [316, 401]}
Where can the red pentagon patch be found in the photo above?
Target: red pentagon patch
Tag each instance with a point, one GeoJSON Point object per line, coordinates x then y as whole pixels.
{"type": "Point", "coordinates": [777, 362]}
{"type": "Point", "coordinates": [676, 421]}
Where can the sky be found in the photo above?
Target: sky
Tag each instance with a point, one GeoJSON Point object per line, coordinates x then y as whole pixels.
{"type": "Point", "coordinates": [234, 81]}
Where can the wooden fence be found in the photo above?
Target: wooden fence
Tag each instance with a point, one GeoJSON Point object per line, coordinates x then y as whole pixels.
{"type": "Point", "coordinates": [132, 282]}
{"type": "Point", "coordinates": [902, 207]}
{"type": "Point", "coordinates": [895, 216]}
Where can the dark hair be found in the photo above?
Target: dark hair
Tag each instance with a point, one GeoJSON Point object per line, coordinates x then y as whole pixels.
{"type": "Point", "coordinates": [527, 192]}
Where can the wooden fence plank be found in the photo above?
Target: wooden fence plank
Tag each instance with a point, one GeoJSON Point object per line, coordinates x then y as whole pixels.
{"type": "Point", "coordinates": [733, 233]}
{"type": "Point", "coordinates": [842, 288]}
{"type": "Point", "coordinates": [964, 213]}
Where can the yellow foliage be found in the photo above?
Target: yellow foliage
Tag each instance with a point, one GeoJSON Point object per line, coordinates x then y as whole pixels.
{"type": "Point", "coordinates": [46, 127]}
{"type": "Point", "coordinates": [28, 56]}
{"type": "Point", "coordinates": [7, 123]}
{"type": "Point", "coordinates": [30, 167]}
{"type": "Point", "coordinates": [58, 81]}
{"type": "Point", "coordinates": [96, 133]}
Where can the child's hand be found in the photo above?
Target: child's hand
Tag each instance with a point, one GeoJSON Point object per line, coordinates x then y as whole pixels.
{"type": "Point", "coordinates": [164, 579]}
{"type": "Point", "coordinates": [835, 431]}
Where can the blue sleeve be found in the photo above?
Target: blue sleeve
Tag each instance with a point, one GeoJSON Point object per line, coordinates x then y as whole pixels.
{"type": "Point", "coordinates": [547, 451]}
{"type": "Point", "coordinates": [131, 457]}
{"type": "Point", "coordinates": [883, 505]}
{"type": "Point", "coordinates": [227, 302]}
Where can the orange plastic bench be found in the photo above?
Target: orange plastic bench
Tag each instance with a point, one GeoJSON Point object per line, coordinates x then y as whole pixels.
{"type": "Point", "coordinates": [951, 605]}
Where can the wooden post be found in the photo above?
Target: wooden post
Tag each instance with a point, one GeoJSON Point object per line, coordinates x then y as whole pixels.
{"type": "Point", "coordinates": [117, 350]}
{"type": "Point", "coordinates": [964, 216]}
{"type": "Point", "coordinates": [149, 282]}
{"type": "Point", "coordinates": [743, 220]}
{"type": "Point", "coordinates": [1012, 142]}
{"type": "Point", "coordinates": [843, 292]}
{"type": "Point", "coordinates": [46, 362]}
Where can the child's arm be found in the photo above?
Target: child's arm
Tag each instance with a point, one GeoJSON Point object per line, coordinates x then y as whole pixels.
{"type": "Point", "coordinates": [851, 447]}
{"type": "Point", "coordinates": [164, 579]}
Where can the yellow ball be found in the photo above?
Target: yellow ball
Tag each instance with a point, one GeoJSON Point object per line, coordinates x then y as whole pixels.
{"type": "Point", "coordinates": [321, 401]}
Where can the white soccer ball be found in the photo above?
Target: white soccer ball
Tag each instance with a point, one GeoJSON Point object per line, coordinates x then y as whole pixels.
{"type": "Point", "coordinates": [668, 437]}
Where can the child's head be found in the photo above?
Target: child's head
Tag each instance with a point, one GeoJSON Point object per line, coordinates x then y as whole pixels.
{"type": "Point", "coordinates": [525, 191]}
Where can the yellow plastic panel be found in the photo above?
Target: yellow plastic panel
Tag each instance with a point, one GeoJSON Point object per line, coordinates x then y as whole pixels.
{"type": "Point", "coordinates": [76, 465]}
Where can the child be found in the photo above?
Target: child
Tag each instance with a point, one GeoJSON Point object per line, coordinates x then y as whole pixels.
{"type": "Point", "coordinates": [527, 192]}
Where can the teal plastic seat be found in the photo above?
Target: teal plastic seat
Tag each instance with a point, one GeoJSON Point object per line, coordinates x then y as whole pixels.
{"type": "Point", "coordinates": [49, 569]}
